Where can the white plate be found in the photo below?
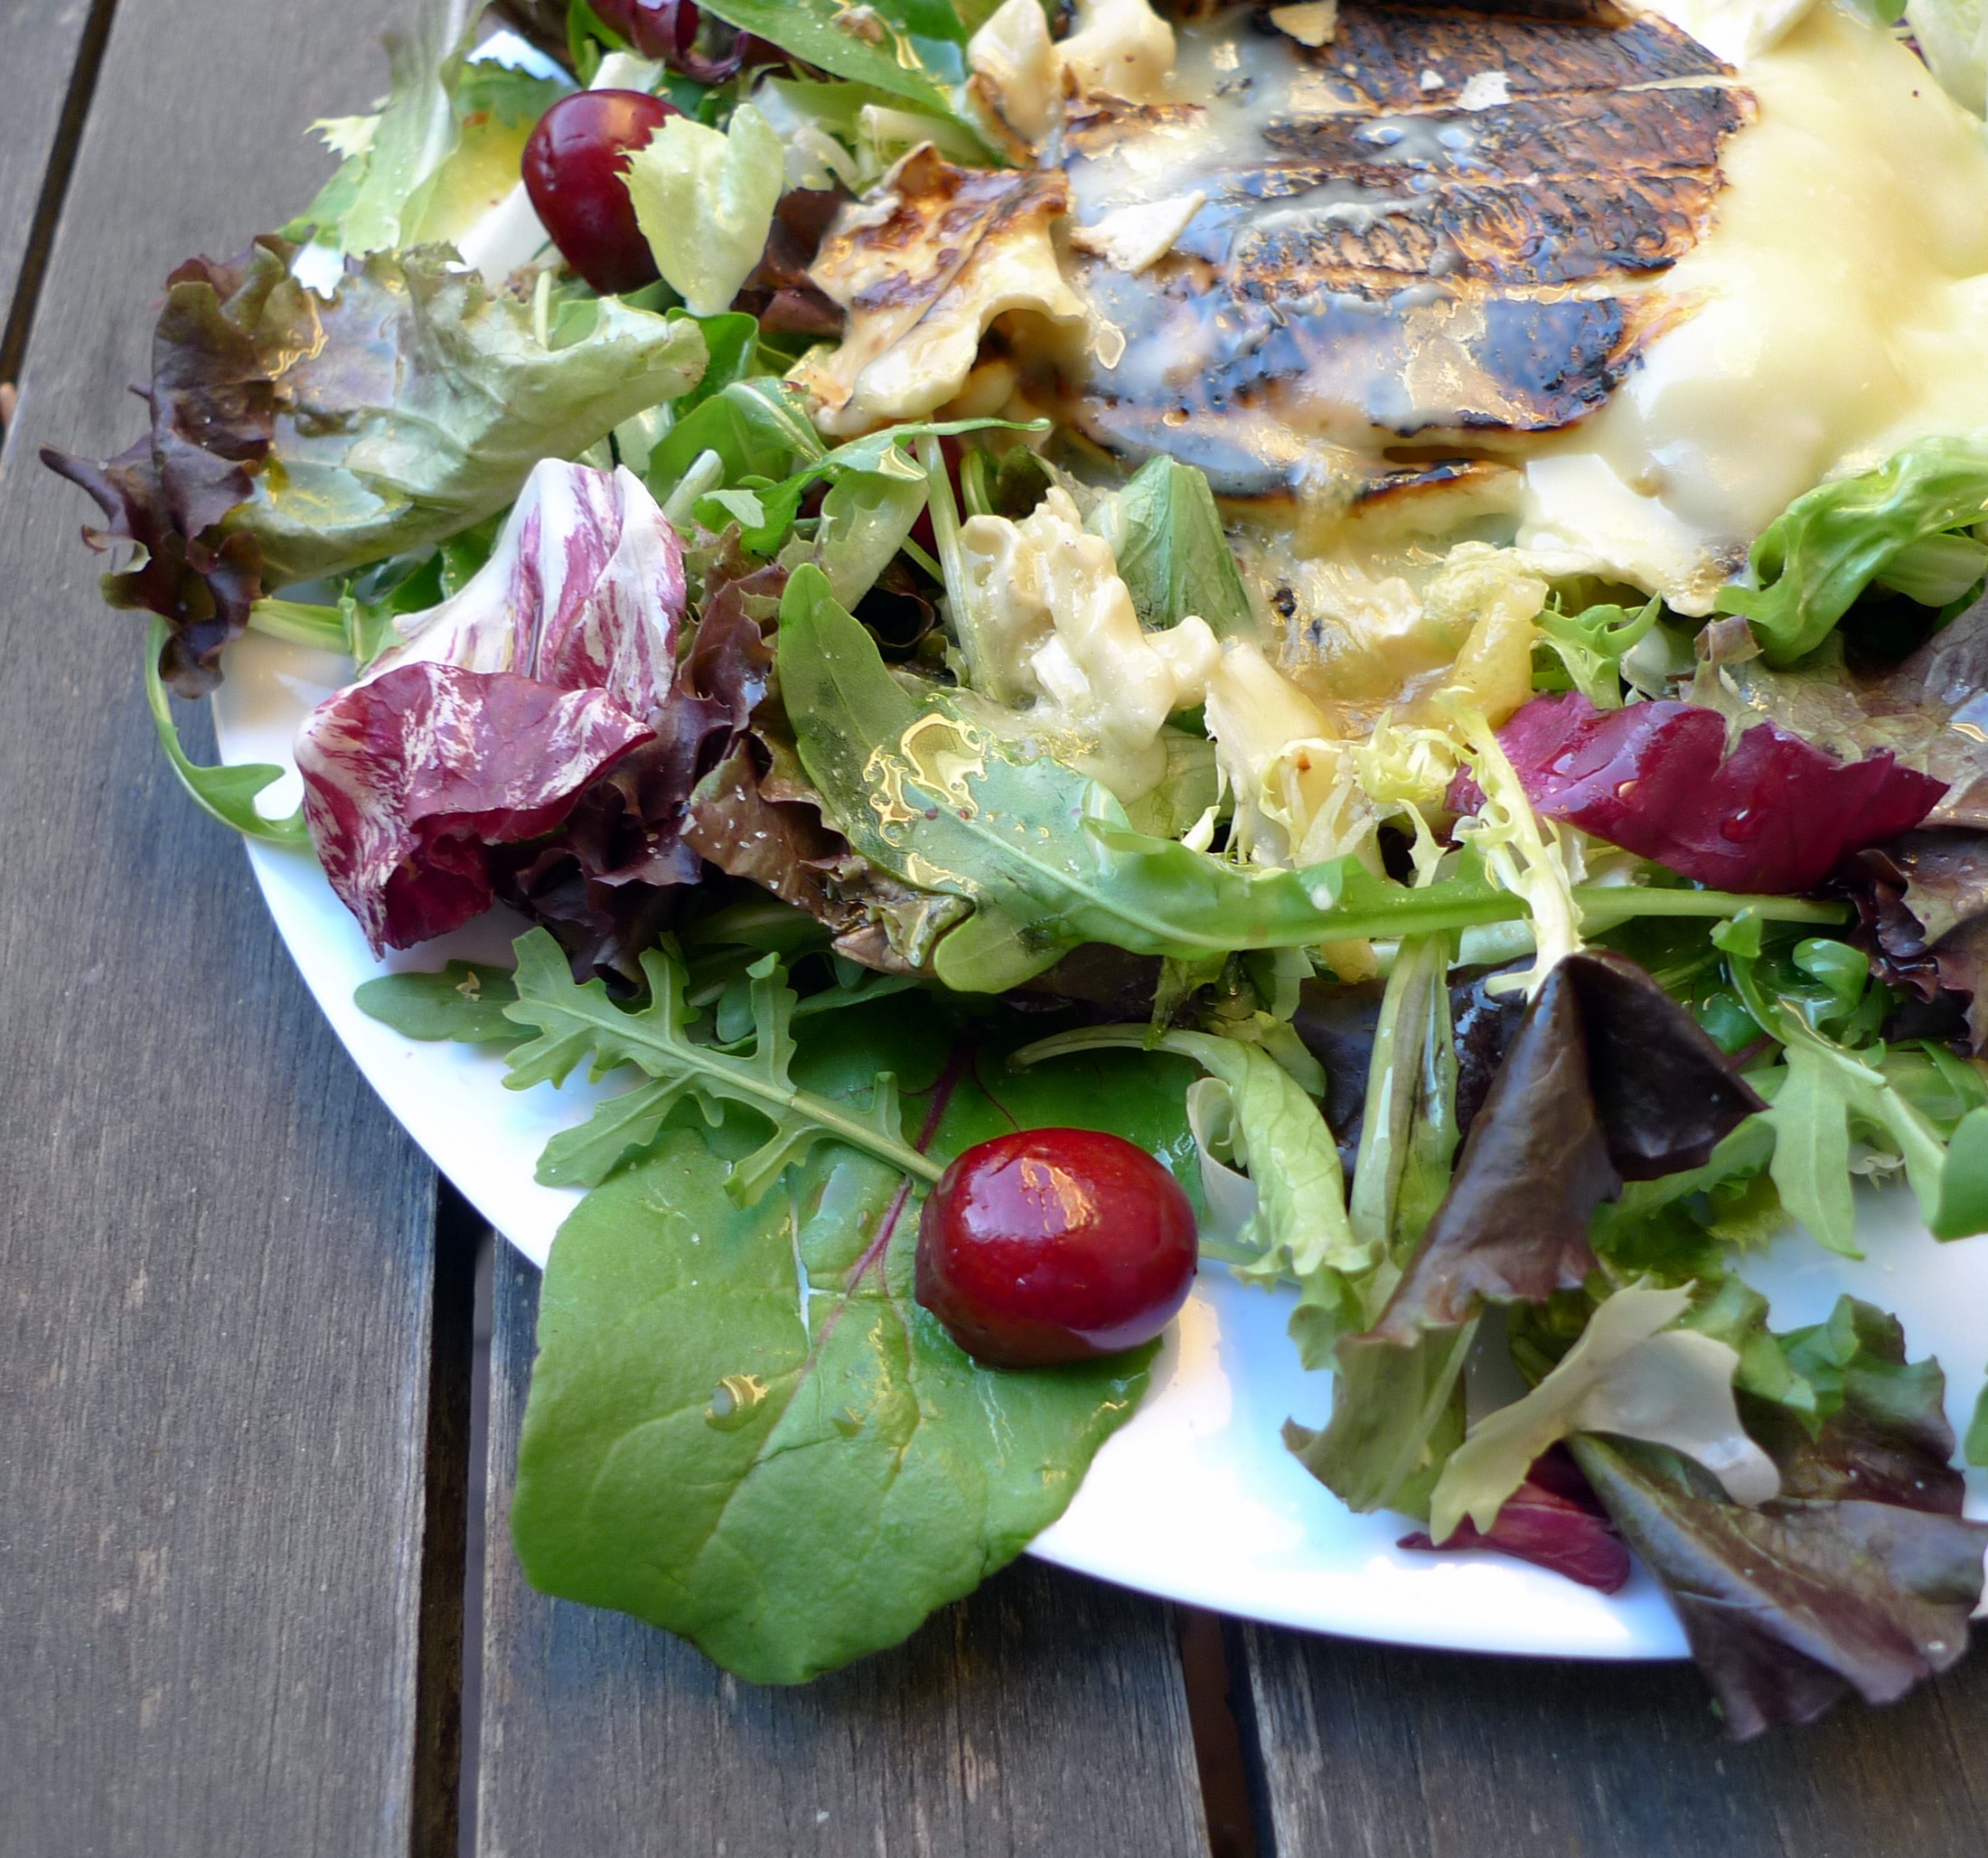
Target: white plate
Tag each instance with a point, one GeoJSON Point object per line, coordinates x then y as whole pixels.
{"type": "Point", "coordinates": [1196, 1498]}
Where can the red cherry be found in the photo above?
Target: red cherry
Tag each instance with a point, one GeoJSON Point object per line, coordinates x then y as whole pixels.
{"type": "Point", "coordinates": [573, 166]}
{"type": "Point", "coordinates": [1055, 1245]}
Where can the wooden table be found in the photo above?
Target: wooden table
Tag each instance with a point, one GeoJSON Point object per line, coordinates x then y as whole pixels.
{"type": "Point", "coordinates": [236, 1327]}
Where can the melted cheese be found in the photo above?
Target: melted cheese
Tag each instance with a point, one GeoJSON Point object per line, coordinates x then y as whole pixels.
{"type": "Point", "coordinates": [1841, 310]}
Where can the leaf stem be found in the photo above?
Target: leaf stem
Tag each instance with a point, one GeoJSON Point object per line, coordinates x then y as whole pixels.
{"type": "Point", "coordinates": [301, 623]}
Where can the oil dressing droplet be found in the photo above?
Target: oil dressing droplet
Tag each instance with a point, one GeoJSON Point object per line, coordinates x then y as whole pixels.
{"type": "Point", "coordinates": [733, 1400]}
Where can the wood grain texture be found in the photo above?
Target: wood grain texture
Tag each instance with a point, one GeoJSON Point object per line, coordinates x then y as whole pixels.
{"type": "Point", "coordinates": [1044, 1716]}
{"type": "Point", "coordinates": [215, 1252]}
{"type": "Point", "coordinates": [39, 40]}
{"type": "Point", "coordinates": [1371, 1752]}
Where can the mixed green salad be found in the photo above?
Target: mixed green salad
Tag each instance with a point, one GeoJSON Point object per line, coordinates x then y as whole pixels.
{"type": "Point", "coordinates": [876, 786]}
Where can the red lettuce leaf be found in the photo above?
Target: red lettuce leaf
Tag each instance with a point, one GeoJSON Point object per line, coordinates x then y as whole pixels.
{"type": "Point", "coordinates": [214, 419]}
{"type": "Point", "coordinates": [1549, 1531]}
{"type": "Point", "coordinates": [1775, 815]}
{"type": "Point", "coordinates": [1924, 905]}
{"type": "Point", "coordinates": [1861, 1576]}
{"type": "Point", "coordinates": [1535, 1166]}
{"type": "Point", "coordinates": [1607, 1079]}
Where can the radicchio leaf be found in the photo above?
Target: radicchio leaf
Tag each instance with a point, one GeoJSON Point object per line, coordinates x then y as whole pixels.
{"type": "Point", "coordinates": [1775, 815]}
{"type": "Point", "coordinates": [410, 776]}
{"type": "Point", "coordinates": [505, 704]}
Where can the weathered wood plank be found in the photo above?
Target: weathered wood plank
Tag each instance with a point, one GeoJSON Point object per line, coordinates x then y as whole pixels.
{"type": "Point", "coordinates": [215, 1256]}
{"type": "Point", "coordinates": [1044, 1716]}
{"type": "Point", "coordinates": [1369, 1751]}
{"type": "Point", "coordinates": [42, 41]}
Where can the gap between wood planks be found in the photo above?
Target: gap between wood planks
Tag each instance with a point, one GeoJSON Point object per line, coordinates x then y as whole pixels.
{"type": "Point", "coordinates": [48, 205]}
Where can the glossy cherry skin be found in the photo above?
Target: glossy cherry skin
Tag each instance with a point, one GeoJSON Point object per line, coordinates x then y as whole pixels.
{"type": "Point", "coordinates": [1055, 1245]}
{"type": "Point", "coordinates": [574, 170]}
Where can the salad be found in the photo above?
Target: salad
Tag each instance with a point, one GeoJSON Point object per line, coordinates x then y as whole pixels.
{"type": "Point", "coordinates": [1343, 645]}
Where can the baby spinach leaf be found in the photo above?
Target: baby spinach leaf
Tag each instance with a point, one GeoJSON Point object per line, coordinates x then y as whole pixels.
{"type": "Point", "coordinates": [742, 1427]}
{"type": "Point", "coordinates": [465, 1002]}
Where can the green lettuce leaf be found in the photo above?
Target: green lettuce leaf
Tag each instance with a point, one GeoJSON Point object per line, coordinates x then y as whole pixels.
{"type": "Point", "coordinates": [704, 199]}
{"type": "Point", "coordinates": [1811, 563]}
{"type": "Point", "coordinates": [410, 160]}
{"type": "Point", "coordinates": [1629, 1374]}
{"type": "Point", "coordinates": [1295, 1229]}
{"type": "Point", "coordinates": [414, 404]}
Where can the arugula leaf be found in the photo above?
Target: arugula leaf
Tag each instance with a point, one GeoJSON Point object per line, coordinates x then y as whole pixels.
{"type": "Point", "coordinates": [224, 794]}
{"type": "Point", "coordinates": [744, 1429]}
{"type": "Point", "coordinates": [1173, 554]}
{"type": "Point", "coordinates": [579, 1025]}
{"type": "Point", "coordinates": [465, 1002]}
{"type": "Point", "coordinates": [915, 49]}
{"type": "Point", "coordinates": [757, 427]}
{"type": "Point", "coordinates": [1047, 856]}
{"type": "Point", "coordinates": [1811, 563]}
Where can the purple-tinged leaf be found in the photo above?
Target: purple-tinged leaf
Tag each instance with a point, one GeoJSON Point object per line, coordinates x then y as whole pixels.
{"type": "Point", "coordinates": [504, 706]}
{"type": "Point", "coordinates": [1551, 1531]}
{"type": "Point", "coordinates": [409, 778]}
{"type": "Point", "coordinates": [1775, 815]}
{"type": "Point", "coordinates": [1861, 1576]}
